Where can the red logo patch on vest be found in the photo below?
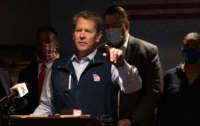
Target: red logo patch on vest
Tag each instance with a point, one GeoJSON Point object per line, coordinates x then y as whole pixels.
{"type": "Point", "coordinates": [96, 78]}
{"type": "Point", "coordinates": [76, 112]}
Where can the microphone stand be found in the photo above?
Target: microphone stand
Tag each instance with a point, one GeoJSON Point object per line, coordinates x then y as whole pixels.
{"type": "Point", "coordinates": [7, 107]}
{"type": "Point", "coordinates": [7, 104]}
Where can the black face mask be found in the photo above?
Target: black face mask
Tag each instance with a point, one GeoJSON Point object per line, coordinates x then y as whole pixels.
{"type": "Point", "coordinates": [190, 55]}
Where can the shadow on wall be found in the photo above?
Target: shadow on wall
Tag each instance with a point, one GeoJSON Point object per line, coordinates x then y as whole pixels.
{"type": "Point", "coordinates": [15, 58]}
{"type": "Point", "coordinates": [167, 34]}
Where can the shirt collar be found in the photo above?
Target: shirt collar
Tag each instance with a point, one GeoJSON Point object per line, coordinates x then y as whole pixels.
{"type": "Point", "coordinates": [88, 57]}
{"type": "Point", "coordinates": [48, 64]}
{"type": "Point", "coordinates": [126, 42]}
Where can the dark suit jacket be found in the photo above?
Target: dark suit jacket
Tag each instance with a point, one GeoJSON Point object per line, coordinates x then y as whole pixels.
{"type": "Point", "coordinates": [140, 106]}
{"type": "Point", "coordinates": [29, 75]}
{"type": "Point", "coordinates": [5, 83]}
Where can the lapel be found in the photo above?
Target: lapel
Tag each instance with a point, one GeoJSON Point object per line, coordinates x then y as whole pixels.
{"type": "Point", "coordinates": [33, 77]}
{"type": "Point", "coordinates": [134, 54]}
{"type": "Point", "coordinates": [34, 71]}
{"type": "Point", "coordinates": [131, 50]}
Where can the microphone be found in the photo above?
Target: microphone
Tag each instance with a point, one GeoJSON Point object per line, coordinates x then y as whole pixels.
{"type": "Point", "coordinates": [19, 90]}
{"type": "Point", "coordinates": [8, 103]}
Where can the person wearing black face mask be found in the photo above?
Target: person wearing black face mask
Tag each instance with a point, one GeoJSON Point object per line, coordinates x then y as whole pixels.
{"type": "Point", "coordinates": [180, 101]}
{"type": "Point", "coordinates": [38, 73]}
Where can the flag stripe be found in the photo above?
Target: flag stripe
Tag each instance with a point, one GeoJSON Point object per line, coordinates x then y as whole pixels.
{"type": "Point", "coordinates": [155, 1]}
{"type": "Point", "coordinates": [161, 10]}
{"type": "Point", "coordinates": [166, 16]}
{"type": "Point", "coordinates": [160, 6]}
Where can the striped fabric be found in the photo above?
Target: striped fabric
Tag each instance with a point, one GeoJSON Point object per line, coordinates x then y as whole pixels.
{"type": "Point", "coordinates": [143, 9]}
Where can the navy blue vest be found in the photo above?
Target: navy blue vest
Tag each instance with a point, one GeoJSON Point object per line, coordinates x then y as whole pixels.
{"type": "Point", "coordinates": [94, 94]}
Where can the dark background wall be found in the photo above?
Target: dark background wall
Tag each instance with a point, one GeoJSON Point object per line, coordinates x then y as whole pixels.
{"type": "Point", "coordinates": [21, 18]}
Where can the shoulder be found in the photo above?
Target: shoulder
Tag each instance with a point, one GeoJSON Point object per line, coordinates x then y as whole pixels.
{"type": "Point", "coordinates": [142, 48]}
{"type": "Point", "coordinates": [134, 41]}
{"type": "Point", "coordinates": [172, 79]}
{"type": "Point", "coordinates": [173, 70]}
{"type": "Point", "coordinates": [172, 74]}
{"type": "Point", "coordinates": [61, 61]}
{"type": "Point", "coordinates": [100, 59]}
{"type": "Point", "coordinates": [30, 67]}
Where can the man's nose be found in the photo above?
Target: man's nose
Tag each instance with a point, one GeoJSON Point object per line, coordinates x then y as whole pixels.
{"type": "Point", "coordinates": [82, 35]}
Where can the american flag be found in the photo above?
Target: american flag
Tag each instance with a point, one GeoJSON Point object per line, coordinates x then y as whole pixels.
{"type": "Point", "coordinates": [143, 9]}
{"type": "Point", "coordinates": [96, 78]}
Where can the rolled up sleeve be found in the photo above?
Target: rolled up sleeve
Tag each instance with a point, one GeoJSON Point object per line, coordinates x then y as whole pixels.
{"type": "Point", "coordinates": [127, 77]}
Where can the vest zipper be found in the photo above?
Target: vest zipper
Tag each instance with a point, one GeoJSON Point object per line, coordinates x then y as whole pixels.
{"type": "Point", "coordinates": [70, 82]}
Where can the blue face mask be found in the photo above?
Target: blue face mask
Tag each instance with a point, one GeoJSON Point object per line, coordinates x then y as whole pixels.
{"type": "Point", "coordinates": [190, 55]}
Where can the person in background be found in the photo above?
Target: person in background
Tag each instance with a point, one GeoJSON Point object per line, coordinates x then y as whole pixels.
{"type": "Point", "coordinates": [87, 81]}
{"type": "Point", "coordinates": [138, 108]}
{"type": "Point", "coordinates": [5, 83]}
{"type": "Point", "coordinates": [179, 103]}
{"type": "Point", "coordinates": [38, 73]}
{"type": "Point", "coordinates": [9, 103]}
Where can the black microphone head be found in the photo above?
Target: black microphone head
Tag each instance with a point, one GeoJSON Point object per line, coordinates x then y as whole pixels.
{"type": "Point", "coordinates": [13, 93]}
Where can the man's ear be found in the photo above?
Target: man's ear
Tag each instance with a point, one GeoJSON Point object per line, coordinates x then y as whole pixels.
{"type": "Point", "coordinates": [99, 36]}
{"type": "Point", "coordinates": [127, 25]}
